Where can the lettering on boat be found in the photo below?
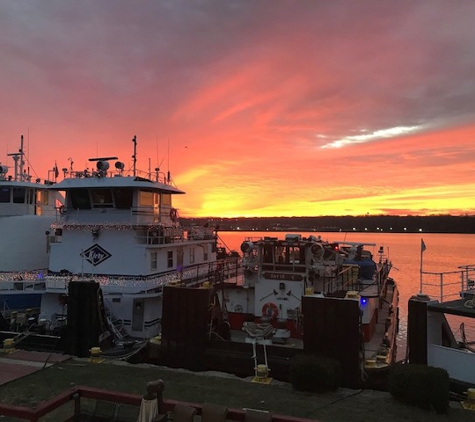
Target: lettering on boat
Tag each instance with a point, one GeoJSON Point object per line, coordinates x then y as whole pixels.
{"type": "Point", "coordinates": [280, 276]}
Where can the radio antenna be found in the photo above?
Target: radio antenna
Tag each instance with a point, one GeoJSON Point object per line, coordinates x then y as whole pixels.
{"type": "Point", "coordinates": [134, 157]}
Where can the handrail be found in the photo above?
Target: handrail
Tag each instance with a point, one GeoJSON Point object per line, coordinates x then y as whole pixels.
{"type": "Point", "coordinates": [187, 275]}
{"type": "Point", "coordinates": [465, 281]}
{"type": "Point", "coordinates": [78, 392]}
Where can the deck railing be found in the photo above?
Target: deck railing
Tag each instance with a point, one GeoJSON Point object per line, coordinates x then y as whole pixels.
{"type": "Point", "coordinates": [229, 269]}
{"type": "Point", "coordinates": [117, 398]}
{"type": "Point", "coordinates": [446, 285]}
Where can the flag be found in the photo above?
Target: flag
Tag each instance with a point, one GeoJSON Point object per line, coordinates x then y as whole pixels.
{"type": "Point", "coordinates": [423, 246]}
{"type": "Point", "coordinates": [56, 171]}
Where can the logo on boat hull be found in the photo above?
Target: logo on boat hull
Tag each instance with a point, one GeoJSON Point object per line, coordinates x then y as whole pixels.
{"type": "Point", "coordinates": [95, 254]}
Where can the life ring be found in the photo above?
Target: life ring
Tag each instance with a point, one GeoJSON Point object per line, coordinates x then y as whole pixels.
{"type": "Point", "coordinates": [173, 214]}
{"type": "Point", "coordinates": [270, 310]}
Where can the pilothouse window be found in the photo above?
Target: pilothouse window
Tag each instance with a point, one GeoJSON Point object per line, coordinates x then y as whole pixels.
{"type": "Point", "coordinates": [5, 195]}
{"type": "Point", "coordinates": [31, 196]}
{"type": "Point", "coordinates": [123, 198]}
{"type": "Point", "coordinates": [80, 199]}
{"type": "Point", "coordinates": [102, 198]}
{"type": "Point", "coordinates": [146, 198]}
{"type": "Point", "coordinates": [19, 195]}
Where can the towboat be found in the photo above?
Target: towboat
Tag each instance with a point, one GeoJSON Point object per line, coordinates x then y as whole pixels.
{"type": "Point", "coordinates": [118, 238]}
{"type": "Point", "coordinates": [441, 325]}
{"type": "Point", "coordinates": [298, 294]}
{"type": "Point", "coordinates": [27, 210]}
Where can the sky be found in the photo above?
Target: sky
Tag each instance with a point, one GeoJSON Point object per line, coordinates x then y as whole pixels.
{"type": "Point", "coordinates": [257, 108]}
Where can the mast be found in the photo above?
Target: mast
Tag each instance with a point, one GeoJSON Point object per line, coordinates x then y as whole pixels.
{"type": "Point", "coordinates": [21, 158]}
{"type": "Point", "coordinates": [134, 157]}
{"type": "Point", "coordinates": [18, 166]}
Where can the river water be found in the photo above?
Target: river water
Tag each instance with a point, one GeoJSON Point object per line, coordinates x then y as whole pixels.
{"type": "Point", "coordinates": [443, 253]}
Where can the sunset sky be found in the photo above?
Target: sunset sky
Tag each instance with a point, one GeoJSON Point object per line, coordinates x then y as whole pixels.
{"type": "Point", "coordinates": [257, 107]}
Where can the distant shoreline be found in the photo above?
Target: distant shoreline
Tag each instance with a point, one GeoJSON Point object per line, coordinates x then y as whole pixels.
{"type": "Point", "coordinates": [362, 224]}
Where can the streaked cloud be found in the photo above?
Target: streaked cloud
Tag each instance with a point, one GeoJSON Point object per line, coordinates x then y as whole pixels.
{"type": "Point", "coordinates": [367, 137]}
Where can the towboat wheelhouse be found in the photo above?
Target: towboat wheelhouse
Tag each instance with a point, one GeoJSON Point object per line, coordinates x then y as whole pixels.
{"type": "Point", "coordinates": [121, 230]}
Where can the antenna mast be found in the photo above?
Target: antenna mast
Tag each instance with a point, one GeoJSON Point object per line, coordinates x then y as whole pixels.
{"type": "Point", "coordinates": [134, 140]}
{"type": "Point", "coordinates": [168, 153]}
{"type": "Point", "coordinates": [18, 156]}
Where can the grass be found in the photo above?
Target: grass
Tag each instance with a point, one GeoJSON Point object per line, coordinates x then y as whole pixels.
{"type": "Point", "coordinates": [231, 391]}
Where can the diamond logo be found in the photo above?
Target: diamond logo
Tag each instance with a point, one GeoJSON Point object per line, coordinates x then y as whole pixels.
{"type": "Point", "coordinates": [95, 254]}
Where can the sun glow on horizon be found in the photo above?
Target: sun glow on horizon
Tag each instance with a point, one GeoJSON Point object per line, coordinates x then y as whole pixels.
{"type": "Point", "coordinates": [261, 122]}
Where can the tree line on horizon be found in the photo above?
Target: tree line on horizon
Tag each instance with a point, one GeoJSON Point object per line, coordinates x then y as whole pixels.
{"type": "Point", "coordinates": [372, 223]}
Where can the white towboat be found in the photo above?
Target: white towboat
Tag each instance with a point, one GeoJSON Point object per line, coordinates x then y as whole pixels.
{"type": "Point", "coordinates": [119, 229]}
{"type": "Point", "coordinates": [27, 210]}
{"type": "Point", "coordinates": [299, 294]}
{"type": "Point", "coordinates": [441, 324]}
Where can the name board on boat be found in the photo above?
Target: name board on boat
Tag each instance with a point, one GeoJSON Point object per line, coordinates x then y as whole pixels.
{"type": "Point", "coordinates": [280, 276]}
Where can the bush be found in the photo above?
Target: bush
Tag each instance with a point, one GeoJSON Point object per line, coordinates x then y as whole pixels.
{"type": "Point", "coordinates": [315, 373]}
{"type": "Point", "coordinates": [420, 385]}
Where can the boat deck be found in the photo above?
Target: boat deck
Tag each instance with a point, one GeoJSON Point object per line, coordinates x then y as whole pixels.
{"type": "Point", "coordinates": [239, 336]}
{"type": "Point", "coordinates": [371, 347]}
{"type": "Point", "coordinates": [455, 307]}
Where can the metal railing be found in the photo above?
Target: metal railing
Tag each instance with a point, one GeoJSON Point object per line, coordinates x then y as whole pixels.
{"type": "Point", "coordinates": [448, 284]}
{"type": "Point", "coordinates": [228, 268]}
{"type": "Point", "coordinates": [76, 395]}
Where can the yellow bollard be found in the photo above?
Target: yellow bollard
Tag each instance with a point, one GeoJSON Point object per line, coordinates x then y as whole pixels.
{"type": "Point", "coordinates": [308, 291]}
{"type": "Point", "coordinates": [96, 355]}
{"type": "Point", "coordinates": [8, 345]}
{"type": "Point", "coordinates": [262, 371]}
{"type": "Point", "coordinates": [469, 404]}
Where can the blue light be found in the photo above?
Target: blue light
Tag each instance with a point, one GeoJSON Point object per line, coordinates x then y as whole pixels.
{"type": "Point", "coordinates": [363, 301]}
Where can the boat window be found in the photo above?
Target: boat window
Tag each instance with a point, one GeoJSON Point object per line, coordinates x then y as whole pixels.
{"type": "Point", "coordinates": [166, 199]}
{"type": "Point", "coordinates": [80, 199]}
{"type": "Point", "coordinates": [280, 255]}
{"type": "Point", "coordinates": [192, 255]}
{"type": "Point", "coordinates": [146, 198]}
{"type": "Point", "coordinates": [170, 259]}
{"type": "Point", "coordinates": [5, 195]}
{"type": "Point", "coordinates": [268, 252]}
{"type": "Point", "coordinates": [153, 260]}
{"type": "Point", "coordinates": [42, 197]}
{"type": "Point", "coordinates": [297, 255]}
{"type": "Point", "coordinates": [102, 198]}
{"type": "Point", "coordinates": [18, 195]}
{"type": "Point", "coordinates": [123, 198]}
{"type": "Point", "coordinates": [31, 196]}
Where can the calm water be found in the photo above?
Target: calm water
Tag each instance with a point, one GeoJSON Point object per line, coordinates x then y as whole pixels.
{"type": "Point", "coordinates": [444, 252]}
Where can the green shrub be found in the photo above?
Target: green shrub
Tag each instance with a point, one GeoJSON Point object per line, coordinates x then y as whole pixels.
{"type": "Point", "coordinates": [315, 373]}
{"type": "Point", "coordinates": [420, 385]}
